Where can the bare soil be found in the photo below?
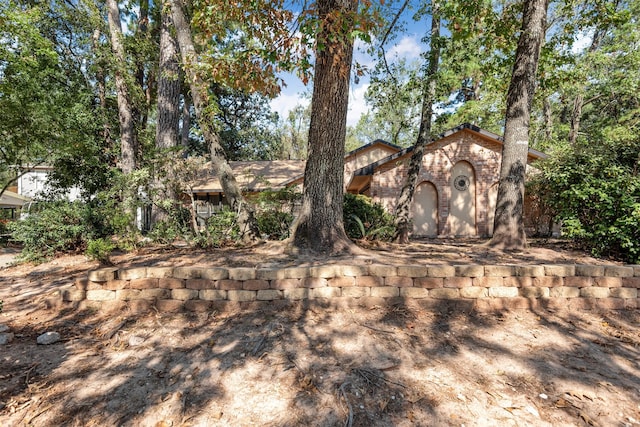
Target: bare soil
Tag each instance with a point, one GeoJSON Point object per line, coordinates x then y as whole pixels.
{"type": "Point", "coordinates": [310, 363]}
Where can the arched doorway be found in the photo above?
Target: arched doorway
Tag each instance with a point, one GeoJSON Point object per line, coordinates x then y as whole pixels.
{"type": "Point", "coordinates": [424, 210]}
{"type": "Point", "coordinates": [462, 205]}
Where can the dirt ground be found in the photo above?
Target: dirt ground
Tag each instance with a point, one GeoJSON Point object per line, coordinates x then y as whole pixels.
{"type": "Point", "coordinates": [311, 363]}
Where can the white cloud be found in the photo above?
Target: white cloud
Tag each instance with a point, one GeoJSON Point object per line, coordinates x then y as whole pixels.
{"type": "Point", "coordinates": [286, 102]}
{"type": "Point", "coordinates": [357, 104]}
{"type": "Point", "coordinates": [408, 47]}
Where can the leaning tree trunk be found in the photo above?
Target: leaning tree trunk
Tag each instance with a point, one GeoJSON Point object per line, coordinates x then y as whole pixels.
{"type": "Point", "coordinates": [128, 137]}
{"type": "Point", "coordinates": [200, 96]}
{"type": "Point", "coordinates": [168, 123]}
{"type": "Point", "coordinates": [320, 226]}
{"type": "Point", "coordinates": [403, 208]}
{"type": "Point", "coordinates": [509, 219]}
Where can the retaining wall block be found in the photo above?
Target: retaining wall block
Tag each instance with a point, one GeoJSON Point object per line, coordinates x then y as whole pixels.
{"type": "Point", "coordinates": [618, 271]}
{"type": "Point", "coordinates": [159, 272]}
{"type": "Point", "coordinates": [132, 273]}
{"type": "Point", "coordinates": [611, 303]}
{"type": "Point", "coordinates": [474, 292]}
{"type": "Point", "coordinates": [198, 306]}
{"type": "Point", "coordinates": [114, 285]}
{"type": "Point", "coordinates": [534, 292]}
{"type": "Point", "coordinates": [169, 305]}
{"type": "Point", "coordinates": [636, 270]}
{"type": "Point", "coordinates": [242, 273]}
{"type": "Point", "coordinates": [608, 282]}
{"type": "Point", "coordinates": [444, 293]}
{"type": "Point", "coordinates": [187, 272]}
{"type": "Point", "coordinates": [589, 270]}
{"type": "Point", "coordinates": [241, 295]}
{"type": "Point", "coordinates": [488, 282]}
{"type": "Point", "coordinates": [102, 274]}
{"type": "Point", "coordinates": [151, 294]}
{"type": "Point", "coordinates": [172, 283]}
{"type": "Point", "coordinates": [369, 281]}
{"type": "Point", "coordinates": [382, 270]}
{"type": "Point", "coordinates": [560, 270]}
{"type": "Point", "coordinates": [499, 270]}
{"type": "Point", "coordinates": [564, 292]}
{"type": "Point", "coordinates": [412, 271]}
{"type": "Point", "coordinates": [548, 281]}
{"type": "Point", "coordinates": [354, 270]}
{"type": "Point", "coordinates": [583, 304]}
{"type": "Point", "coordinates": [143, 283]}
{"type": "Point", "coordinates": [578, 281]}
{"type": "Point", "coordinates": [297, 293]}
{"type": "Point", "coordinates": [458, 282]}
{"type": "Point", "coordinates": [326, 292]}
{"type": "Point", "coordinates": [469, 270]}
{"type": "Point", "coordinates": [268, 295]}
{"type": "Point", "coordinates": [284, 283]}
{"type": "Point", "coordinates": [314, 282]}
{"type": "Point", "coordinates": [255, 285]}
{"type": "Point", "coordinates": [296, 272]}
{"type": "Point", "coordinates": [517, 281]}
{"type": "Point", "coordinates": [215, 273]}
{"type": "Point", "coordinates": [128, 294]}
{"type": "Point", "coordinates": [428, 282]}
{"type": "Point", "coordinates": [399, 281]}
{"type": "Point", "coordinates": [212, 294]}
{"type": "Point", "coordinates": [325, 271]}
{"type": "Point", "coordinates": [229, 285]}
{"type": "Point", "coordinates": [72, 295]}
{"type": "Point", "coordinates": [385, 291]}
{"type": "Point", "coordinates": [529, 270]}
{"type": "Point", "coordinates": [594, 292]}
{"type": "Point", "coordinates": [200, 284]}
{"type": "Point", "coordinates": [631, 282]}
{"type": "Point", "coordinates": [342, 282]}
{"type": "Point", "coordinates": [417, 293]}
{"type": "Point", "coordinates": [184, 294]}
{"type": "Point", "coordinates": [357, 292]}
{"type": "Point", "coordinates": [503, 292]}
{"type": "Point", "coordinates": [441, 271]}
{"type": "Point", "coordinates": [270, 274]}
{"type": "Point", "coordinates": [101, 295]}
{"type": "Point", "coordinates": [623, 293]}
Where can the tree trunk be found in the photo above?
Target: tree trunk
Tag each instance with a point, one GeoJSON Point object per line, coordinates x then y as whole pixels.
{"type": "Point", "coordinates": [186, 122]}
{"type": "Point", "coordinates": [320, 226]}
{"type": "Point", "coordinates": [168, 124]}
{"type": "Point", "coordinates": [128, 137]}
{"type": "Point", "coordinates": [509, 220]}
{"type": "Point", "coordinates": [201, 102]}
{"type": "Point", "coordinates": [403, 207]}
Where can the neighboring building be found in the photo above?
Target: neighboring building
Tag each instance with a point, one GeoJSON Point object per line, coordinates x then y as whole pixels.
{"type": "Point", "coordinates": [36, 183]}
{"type": "Point", "coordinates": [455, 194]}
{"type": "Point", "coordinates": [10, 203]}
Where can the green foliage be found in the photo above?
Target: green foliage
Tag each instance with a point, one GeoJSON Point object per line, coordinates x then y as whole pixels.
{"type": "Point", "coordinates": [100, 250]}
{"type": "Point", "coordinates": [364, 219]}
{"type": "Point", "coordinates": [222, 229]}
{"type": "Point", "coordinates": [175, 226]}
{"type": "Point", "coordinates": [58, 227]}
{"type": "Point", "coordinates": [595, 192]}
{"type": "Point", "coordinates": [274, 224]}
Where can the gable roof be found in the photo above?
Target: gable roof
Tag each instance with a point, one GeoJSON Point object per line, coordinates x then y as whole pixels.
{"type": "Point", "coordinates": [256, 175]}
{"type": "Point", "coordinates": [9, 199]}
{"type": "Point", "coordinates": [368, 170]}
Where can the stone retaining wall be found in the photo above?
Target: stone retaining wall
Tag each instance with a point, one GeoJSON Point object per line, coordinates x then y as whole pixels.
{"type": "Point", "coordinates": [481, 287]}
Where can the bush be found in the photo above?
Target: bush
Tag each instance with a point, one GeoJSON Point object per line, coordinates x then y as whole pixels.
{"type": "Point", "coordinates": [100, 250]}
{"type": "Point", "coordinates": [58, 227]}
{"type": "Point", "coordinates": [178, 224]}
{"type": "Point", "coordinates": [222, 229]}
{"type": "Point", "coordinates": [596, 196]}
{"type": "Point", "coordinates": [364, 219]}
{"type": "Point", "coordinates": [274, 224]}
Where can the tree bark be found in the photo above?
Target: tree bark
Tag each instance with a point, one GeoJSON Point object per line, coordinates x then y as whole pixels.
{"type": "Point", "coordinates": [320, 226]}
{"type": "Point", "coordinates": [128, 137]}
{"type": "Point", "coordinates": [201, 102]}
{"type": "Point", "coordinates": [509, 231]}
{"type": "Point", "coordinates": [168, 124]}
{"type": "Point", "coordinates": [403, 207]}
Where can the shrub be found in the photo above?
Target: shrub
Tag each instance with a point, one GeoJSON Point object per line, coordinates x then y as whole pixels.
{"type": "Point", "coordinates": [596, 196]}
{"type": "Point", "coordinates": [274, 224]}
{"type": "Point", "coordinates": [222, 229]}
{"type": "Point", "coordinates": [178, 224]}
{"type": "Point", "coordinates": [57, 227]}
{"type": "Point", "coordinates": [365, 219]}
{"type": "Point", "coordinates": [100, 250]}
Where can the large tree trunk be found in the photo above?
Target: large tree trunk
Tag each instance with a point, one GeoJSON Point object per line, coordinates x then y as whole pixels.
{"type": "Point", "coordinates": [509, 221]}
{"type": "Point", "coordinates": [168, 125]}
{"type": "Point", "coordinates": [403, 207]}
{"type": "Point", "coordinates": [200, 96]}
{"type": "Point", "coordinates": [128, 137]}
{"type": "Point", "coordinates": [320, 227]}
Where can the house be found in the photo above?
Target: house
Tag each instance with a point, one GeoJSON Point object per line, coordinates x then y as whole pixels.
{"type": "Point", "coordinates": [10, 203]}
{"type": "Point", "coordinates": [456, 190]}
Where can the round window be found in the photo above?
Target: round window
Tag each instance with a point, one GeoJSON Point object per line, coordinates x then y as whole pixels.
{"type": "Point", "coordinates": [461, 182]}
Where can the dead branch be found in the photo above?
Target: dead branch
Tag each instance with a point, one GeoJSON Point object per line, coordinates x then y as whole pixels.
{"type": "Point", "coordinates": [349, 421]}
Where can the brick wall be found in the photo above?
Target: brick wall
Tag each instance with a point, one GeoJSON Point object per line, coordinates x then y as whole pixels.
{"type": "Point", "coordinates": [487, 287]}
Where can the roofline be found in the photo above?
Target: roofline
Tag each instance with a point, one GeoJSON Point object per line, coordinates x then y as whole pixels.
{"type": "Point", "coordinates": [371, 144]}
{"type": "Point", "coordinates": [368, 170]}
